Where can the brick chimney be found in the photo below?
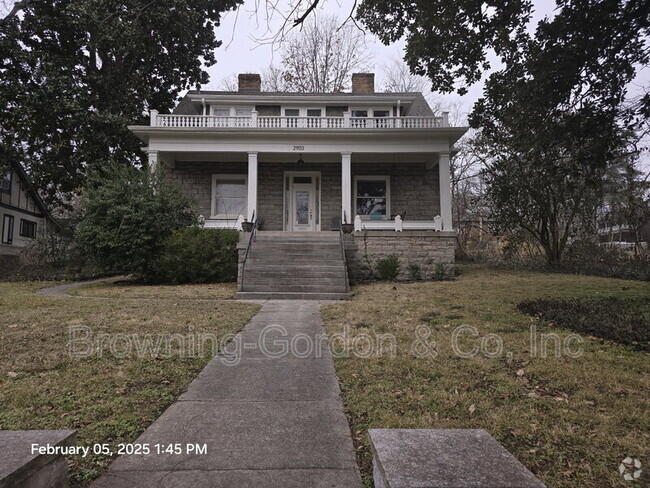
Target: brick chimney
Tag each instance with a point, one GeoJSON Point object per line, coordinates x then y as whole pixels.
{"type": "Point", "coordinates": [250, 82]}
{"type": "Point", "coordinates": [363, 83]}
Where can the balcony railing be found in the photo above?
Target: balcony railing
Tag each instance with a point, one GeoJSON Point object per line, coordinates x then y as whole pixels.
{"type": "Point", "coordinates": [265, 122]}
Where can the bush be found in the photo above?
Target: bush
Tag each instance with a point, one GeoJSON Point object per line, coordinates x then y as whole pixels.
{"type": "Point", "coordinates": [127, 215]}
{"type": "Point", "coordinates": [440, 273]}
{"type": "Point", "coordinates": [195, 255]}
{"type": "Point", "coordinates": [415, 272]}
{"type": "Point", "coordinates": [621, 320]}
{"type": "Point", "coordinates": [388, 267]}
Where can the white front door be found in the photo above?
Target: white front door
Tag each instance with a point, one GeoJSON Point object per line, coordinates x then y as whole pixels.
{"type": "Point", "coordinates": [303, 207]}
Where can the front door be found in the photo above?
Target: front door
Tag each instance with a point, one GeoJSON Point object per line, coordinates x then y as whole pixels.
{"type": "Point", "coordinates": [303, 207]}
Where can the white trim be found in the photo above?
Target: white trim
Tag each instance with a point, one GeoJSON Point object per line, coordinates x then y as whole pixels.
{"type": "Point", "coordinates": [213, 200]}
{"type": "Point", "coordinates": [385, 178]}
{"type": "Point", "coordinates": [287, 213]}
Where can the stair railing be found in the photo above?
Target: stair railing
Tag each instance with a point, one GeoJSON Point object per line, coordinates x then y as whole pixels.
{"type": "Point", "coordinates": [248, 248]}
{"type": "Point", "coordinates": [345, 262]}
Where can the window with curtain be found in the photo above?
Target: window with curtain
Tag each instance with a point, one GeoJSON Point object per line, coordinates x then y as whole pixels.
{"type": "Point", "coordinates": [230, 195]}
{"type": "Point", "coordinates": [371, 196]}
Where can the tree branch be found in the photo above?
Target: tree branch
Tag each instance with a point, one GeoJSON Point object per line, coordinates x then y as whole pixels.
{"type": "Point", "coordinates": [304, 16]}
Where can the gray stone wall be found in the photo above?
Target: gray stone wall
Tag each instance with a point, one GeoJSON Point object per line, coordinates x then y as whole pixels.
{"type": "Point", "coordinates": [195, 180]}
{"type": "Point", "coordinates": [414, 188]}
{"type": "Point", "coordinates": [426, 249]}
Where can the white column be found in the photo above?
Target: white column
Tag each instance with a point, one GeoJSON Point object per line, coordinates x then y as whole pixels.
{"type": "Point", "coordinates": [153, 161]}
{"type": "Point", "coordinates": [346, 188]}
{"type": "Point", "coordinates": [252, 186]}
{"type": "Point", "coordinates": [153, 118]}
{"type": "Point", "coordinates": [445, 191]}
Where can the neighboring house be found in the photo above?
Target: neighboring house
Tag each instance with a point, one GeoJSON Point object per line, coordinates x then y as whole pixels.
{"type": "Point", "coordinates": [305, 162]}
{"type": "Point", "coordinates": [24, 216]}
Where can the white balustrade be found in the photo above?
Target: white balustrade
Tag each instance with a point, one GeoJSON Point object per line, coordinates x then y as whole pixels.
{"type": "Point", "coordinates": [277, 122]}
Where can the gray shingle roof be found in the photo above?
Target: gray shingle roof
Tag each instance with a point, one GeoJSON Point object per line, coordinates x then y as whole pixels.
{"type": "Point", "coordinates": [419, 107]}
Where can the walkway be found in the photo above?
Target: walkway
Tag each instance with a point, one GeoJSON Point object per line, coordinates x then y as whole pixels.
{"type": "Point", "coordinates": [266, 421]}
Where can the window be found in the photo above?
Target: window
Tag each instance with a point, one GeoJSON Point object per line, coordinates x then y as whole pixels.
{"type": "Point", "coordinates": [27, 228]}
{"type": "Point", "coordinates": [243, 111]}
{"type": "Point", "coordinates": [5, 183]}
{"type": "Point", "coordinates": [372, 196]}
{"type": "Point", "coordinates": [359, 113]}
{"type": "Point", "coordinates": [381, 113]}
{"type": "Point", "coordinates": [229, 196]}
{"type": "Point", "coordinates": [314, 112]}
{"type": "Point", "coordinates": [292, 112]}
{"type": "Point", "coordinates": [8, 229]}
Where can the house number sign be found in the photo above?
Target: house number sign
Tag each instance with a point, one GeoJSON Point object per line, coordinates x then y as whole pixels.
{"type": "Point", "coordinates": [298, 148]}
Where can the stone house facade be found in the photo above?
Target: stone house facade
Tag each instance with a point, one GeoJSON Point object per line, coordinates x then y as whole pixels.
{"type": "Point", "coordinates": [310, 162]}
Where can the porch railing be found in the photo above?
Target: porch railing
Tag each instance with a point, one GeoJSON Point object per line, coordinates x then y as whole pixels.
{"type": "Point", "coordinates": [272, 122]}
{"type": "Point", "coordinates": [398, 224]}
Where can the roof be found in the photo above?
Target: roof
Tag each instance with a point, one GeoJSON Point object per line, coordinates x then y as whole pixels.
{"type": "Point", "coordinates": [29, 187]}
{"type": "Point", "coordinates": [418, 104]}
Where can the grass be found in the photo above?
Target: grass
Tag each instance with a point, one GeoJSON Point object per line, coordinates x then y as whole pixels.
{"type": "Point", "coordinates": [126, 289]}
{"type": "Point", "coordinates": [570, 420]}
{"type": "Point", "coordinates": [106, 398]}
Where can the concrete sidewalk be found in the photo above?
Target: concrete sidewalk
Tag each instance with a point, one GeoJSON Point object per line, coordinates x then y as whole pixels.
{"type": "Point", "coordinates": [267, 408]}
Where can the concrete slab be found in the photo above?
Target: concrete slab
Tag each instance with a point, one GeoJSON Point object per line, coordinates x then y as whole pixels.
{"type": "Point", "coordinates": [255, 380]}
{"type": "Point", "coordinates": [248, 436]}
{"type": "Point", "coordinates": [445, 458]}
{"type": "Point", "coordinates": [281, 478]}
{"type": "Point", "coordinates": [19, 466]}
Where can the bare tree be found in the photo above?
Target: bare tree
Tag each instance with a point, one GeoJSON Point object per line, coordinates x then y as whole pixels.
{"type": "Point", "coordinates": [229, 83]}
{"type": "Point", "coordinates": [397, 78]}
{"type": "Point", "coordinates": [274, 79]}
{"type": "Point", "coordinates": [322, 56]}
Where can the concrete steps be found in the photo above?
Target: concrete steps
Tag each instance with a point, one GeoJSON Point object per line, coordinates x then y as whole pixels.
{"type": "Point", "coordinates": [295, 265]}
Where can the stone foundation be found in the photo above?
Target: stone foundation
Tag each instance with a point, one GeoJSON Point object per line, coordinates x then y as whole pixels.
{"type": "Point", "coordinates": [427, 249]}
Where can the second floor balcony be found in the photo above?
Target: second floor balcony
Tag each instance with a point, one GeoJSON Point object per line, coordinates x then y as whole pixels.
{"type": "Point", "coordinates": [255, 121]}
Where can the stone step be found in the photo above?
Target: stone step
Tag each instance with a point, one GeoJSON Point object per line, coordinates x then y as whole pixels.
{"type": "Point", "coordinates": [296, 287]}
{"type": "Point", "coordinates": [289, 262]}
{"type": "Point", "coordinates": [294, 274]}
{"type": "Point", "coordinates": [292, 281]}
{"type": "Point", "coordinates": [286, 235]}
{"type": "Point", "coordinates": [305, 258]}
{"type": "Point", "coordinates": [299, 268]}
{"type": "Point", "coordinates": [250, 295]}
{"type": "Point", "coordinates": [297, 246]}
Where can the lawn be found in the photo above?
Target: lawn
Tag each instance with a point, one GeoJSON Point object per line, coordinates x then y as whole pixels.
{"type": "Point", "coordinates": [106, 397]}
{"type": "Point", "coordinates": [126, 289]}
{"type": "Point", "coordinates": [570, 420]}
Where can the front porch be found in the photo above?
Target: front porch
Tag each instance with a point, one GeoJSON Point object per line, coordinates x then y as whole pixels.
{"type": "Point", "coordinates": [315, 192]}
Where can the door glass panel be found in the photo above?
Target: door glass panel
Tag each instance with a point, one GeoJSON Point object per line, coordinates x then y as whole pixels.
{"type": "Point", "coordinates": [302, 207]}
{"type": "Point", "coordinates": [302, 179]}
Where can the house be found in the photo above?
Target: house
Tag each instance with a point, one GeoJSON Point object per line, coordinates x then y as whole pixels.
{"type": "Point", "coordinates": [24, 216]}
{"type": "Point", "coordinates": [301, 164]}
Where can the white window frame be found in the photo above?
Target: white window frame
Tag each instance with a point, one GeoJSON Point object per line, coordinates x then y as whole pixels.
{"type": "Point", "coordinates": [213, 200]}
{"type": "Point", "coordinates": [385, 178]}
